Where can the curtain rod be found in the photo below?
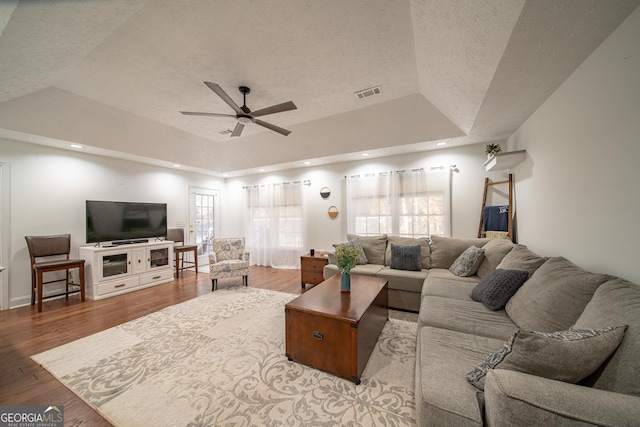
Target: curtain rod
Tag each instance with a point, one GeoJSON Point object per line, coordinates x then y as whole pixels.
{"type": "Point", "coordinates": [451, 167]}
{"type": "Point", "coordinates": [305, 182]}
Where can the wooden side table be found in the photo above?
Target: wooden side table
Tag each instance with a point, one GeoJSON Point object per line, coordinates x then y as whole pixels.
{"type": "Point", "coordinates": [311, 269]}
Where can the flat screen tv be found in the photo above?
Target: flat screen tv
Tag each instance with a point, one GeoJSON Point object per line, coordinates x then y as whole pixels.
{"type": "Point", "coordinates": [125, 221]}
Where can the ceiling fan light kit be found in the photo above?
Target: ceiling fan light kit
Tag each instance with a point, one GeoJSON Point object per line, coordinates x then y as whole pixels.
{"type": "Point", "coordinates": [244, 115]}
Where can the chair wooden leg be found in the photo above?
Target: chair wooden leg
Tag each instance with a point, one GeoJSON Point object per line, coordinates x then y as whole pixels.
{"type": "Point", "coordinates": [39, 290]}
{"type": "Point", "coordinates": [195, 258]}
{"type": "Point", "coordinates": [81, 270]}
{"type": "Point", "coordinates": [177, 255]}
{"type": "Point", "coordinates": [34, 286]}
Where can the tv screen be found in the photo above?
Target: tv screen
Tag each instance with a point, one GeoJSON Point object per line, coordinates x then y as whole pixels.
{"type": "Point", "coordinates": [121, 221]}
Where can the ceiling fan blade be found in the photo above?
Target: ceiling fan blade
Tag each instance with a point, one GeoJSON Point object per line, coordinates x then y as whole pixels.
{"type": "Point", "coordinates": [193, 113]}
{"type": "Point", "coordinates": [285, 106]}
{"type": "Point", "coordinates": [272, 127]}
{"type": "Point", "coordinates": [238, 129]}
{"type": "Point", "coordinates": [226, 98]}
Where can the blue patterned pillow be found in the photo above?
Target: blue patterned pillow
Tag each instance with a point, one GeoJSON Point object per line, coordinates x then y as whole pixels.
{"type": "Point", "coordinates": [468, 262]}
{"type": "Point", "coordinates": [355, 243]}
{"type": "Point", "coordinates": [405, 257]}
{"type": "Point", "coordinates": [568, 356]}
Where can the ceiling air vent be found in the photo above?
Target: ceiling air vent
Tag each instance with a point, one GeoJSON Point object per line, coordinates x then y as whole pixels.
{"type": "Point", "coordinates": [366, 93]}
{"type": "Point", "coordinates": [225, 132]}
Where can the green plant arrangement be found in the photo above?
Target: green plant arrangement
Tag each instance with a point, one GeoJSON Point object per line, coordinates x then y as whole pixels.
{"type": "Point", "coordinates": [492, 149]}
{"type": "Point", "coordinates": [346, 258]}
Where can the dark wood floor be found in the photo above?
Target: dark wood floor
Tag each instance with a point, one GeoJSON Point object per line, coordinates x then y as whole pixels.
{"type": "Point", "coordinates": [25, 332]}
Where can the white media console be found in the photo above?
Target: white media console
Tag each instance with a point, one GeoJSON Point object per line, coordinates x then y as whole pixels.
{"type": "Point", "coordinates": [116, 270]}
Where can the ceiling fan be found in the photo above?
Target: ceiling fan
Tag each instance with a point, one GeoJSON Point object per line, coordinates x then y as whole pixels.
{"type": "Point", "coordinates": [244, 114]}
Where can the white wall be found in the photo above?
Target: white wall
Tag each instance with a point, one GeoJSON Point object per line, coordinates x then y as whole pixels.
{"type": "Point", "coordinates": [322, 232]}
{"type": "Point", "coordinates": [578, 192]}
{"type": "Point", "coordinates": [48, 189]}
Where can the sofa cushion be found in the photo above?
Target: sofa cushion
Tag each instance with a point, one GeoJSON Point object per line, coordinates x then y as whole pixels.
{"type": "Point", "coordinates": [373, 246]}
{"type": "Point", "coordinates": [405, 280]}
{"type": "Point", "coordinates": [498, 287]}
{"type": "Point", "coordinates": [469, 317]}
{"type": "Point", "coordinates": [443, 396]}
{"type": "Point", "coordinates": [405, 257]}
{"type": "Point", "coordinates": [494, 251]}
{"type": "Point", "coordinates": [445, 250]}
{"type": "Point", "coordinates": [567, 356]}
{"type": "Point", "coordinates": [355, 243]}
{"type": "Point", "coordinates": [443, 283]}
{"type": "Point", "coordinates": [367, 270]}
{"type": "Point", "coordinates": [616, 302]}
{"type": "Point", "coordinates": [554, 297]}
{"type": "Point", "coordinates": [468, 262]}
{"type": "Point", "coordinates": [425, 248]}
{"type": "Point", "coordinates": [521, 258]}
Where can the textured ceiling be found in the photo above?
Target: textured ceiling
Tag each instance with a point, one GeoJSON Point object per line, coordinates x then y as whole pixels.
{"type": "Point", "coordinates": [113, 74]}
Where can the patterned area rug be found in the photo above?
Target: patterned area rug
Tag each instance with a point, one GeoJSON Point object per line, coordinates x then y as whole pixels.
{"type": "Point", "coordinates": [219, 360]}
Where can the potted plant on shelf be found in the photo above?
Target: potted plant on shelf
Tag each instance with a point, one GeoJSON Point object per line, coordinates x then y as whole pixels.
{"type": "Point", "coordinates": [492, 149]}
{"type": "Point", "coordinates": [346, 260]}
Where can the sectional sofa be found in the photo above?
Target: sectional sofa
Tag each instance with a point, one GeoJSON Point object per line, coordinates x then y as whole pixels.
{"type": "Point", "coordinates": [507, 337]}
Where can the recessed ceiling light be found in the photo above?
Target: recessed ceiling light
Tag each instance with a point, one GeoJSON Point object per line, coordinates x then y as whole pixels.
{"type": "Point", "coordinates": [364, 154]}
{"type": "Point", "coordinates": [76, 146]}
{"type": "Point", "coordinates": [225, 174]}
{"type": "Point", "coordinates": [261, 169]}
{"type": "Point", "coordinates": [307, 162]}
{"type": "Point", "coordinates": [441, 143]}
{"type": "Point", "coordinates": [176, 165]}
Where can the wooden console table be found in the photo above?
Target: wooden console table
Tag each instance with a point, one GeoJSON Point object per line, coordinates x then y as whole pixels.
{"type": "Point", "coordinates": [311, 269]}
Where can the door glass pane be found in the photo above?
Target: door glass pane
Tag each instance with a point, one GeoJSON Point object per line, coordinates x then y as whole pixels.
{"type": "Point", "coordinates": [204, 222]}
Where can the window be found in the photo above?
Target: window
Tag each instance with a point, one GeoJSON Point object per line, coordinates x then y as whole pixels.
{"type": "Point", "coordinates": [405, 203]}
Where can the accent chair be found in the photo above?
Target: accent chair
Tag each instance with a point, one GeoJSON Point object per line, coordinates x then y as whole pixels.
{"type": "Point", "coordinates": [228, 259]}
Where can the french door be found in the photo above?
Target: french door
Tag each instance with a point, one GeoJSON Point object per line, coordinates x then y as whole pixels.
{"type": "Point", "coordinates": [204, 219]}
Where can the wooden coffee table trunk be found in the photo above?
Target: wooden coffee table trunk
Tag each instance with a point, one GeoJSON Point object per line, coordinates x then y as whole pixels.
{"type": "Point", "coordinates": [334, 331]}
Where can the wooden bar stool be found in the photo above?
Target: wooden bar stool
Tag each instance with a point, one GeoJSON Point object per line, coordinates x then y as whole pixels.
{"type": "Point", "coordinates": [50, 246]}
{"type": "Point", "coordinates": [177, 236]}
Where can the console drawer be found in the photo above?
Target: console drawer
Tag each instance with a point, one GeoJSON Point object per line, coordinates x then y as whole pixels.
{"type": "Point", "coordinates": [117, 285]}
{"type": "Point", "coordinates": [156, 276]}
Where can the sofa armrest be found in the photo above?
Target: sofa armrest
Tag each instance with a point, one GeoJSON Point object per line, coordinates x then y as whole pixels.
{"type": "Point", "coordinates": [213, 258]}
{"type": "Point", "coordinates": [518, 399]}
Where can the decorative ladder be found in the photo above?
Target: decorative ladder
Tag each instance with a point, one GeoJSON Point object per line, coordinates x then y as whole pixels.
{"type": "Point", "coordinates": [487, 184]}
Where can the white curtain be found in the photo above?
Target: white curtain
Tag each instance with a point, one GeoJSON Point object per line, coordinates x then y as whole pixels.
{"type": "Point", "coordinates": [275, 224]}
{"type": "Point", "coordinates": [412, 203]}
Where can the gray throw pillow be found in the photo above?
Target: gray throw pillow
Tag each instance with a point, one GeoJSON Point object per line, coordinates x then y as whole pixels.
{"type": "Point", "coordinates": [568, 356]}
{"type": "Point", "coordinates": [495, 290]}
{"type": "Point", "coordinates": [405, 257]}
{"type": "Point", "coordinates": [355, 243]}
{"type": "Point", "coordinates": [468, 262]}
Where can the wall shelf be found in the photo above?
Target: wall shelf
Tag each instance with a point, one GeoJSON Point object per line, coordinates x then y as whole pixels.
{"type": "Point", "coordinates": [505, 160]}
